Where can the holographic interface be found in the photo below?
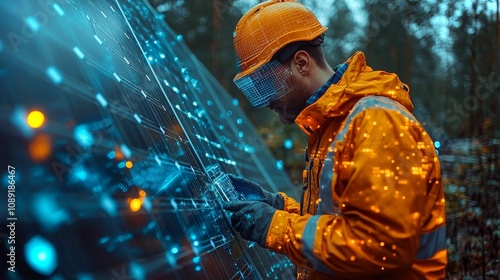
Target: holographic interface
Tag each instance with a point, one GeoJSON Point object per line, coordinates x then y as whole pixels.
{"type": "Point", "coordinates": [118, 143]}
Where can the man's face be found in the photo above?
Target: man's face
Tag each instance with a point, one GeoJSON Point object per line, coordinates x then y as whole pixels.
{"type": "Point", "coordinates": [289, 106]}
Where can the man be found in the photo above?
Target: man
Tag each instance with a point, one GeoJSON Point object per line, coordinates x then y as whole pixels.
{"type": "Point", "coordinates": [373, 201]}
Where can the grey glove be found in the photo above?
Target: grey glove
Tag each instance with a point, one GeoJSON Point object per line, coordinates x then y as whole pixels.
{"type": "Point", "coordinates": [252, 191]}
{"type": "Point", "coordinates": [251, 219]}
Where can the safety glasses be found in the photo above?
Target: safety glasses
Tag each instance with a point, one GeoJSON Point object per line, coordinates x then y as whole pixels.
{"type": "Point", "coordinates": [266, 84]}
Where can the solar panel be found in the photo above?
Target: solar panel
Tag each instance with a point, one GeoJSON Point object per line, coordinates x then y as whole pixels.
{"type": "Point", "coordinates": [116, 145]}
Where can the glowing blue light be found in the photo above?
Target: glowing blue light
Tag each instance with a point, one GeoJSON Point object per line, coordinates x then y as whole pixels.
{"type": "Point", "coordinates": [48, 213]}
{"type": "Point", "coordinates": [33, 23]}
{"type": "Point", "coordinates": [108, 204]}
{"type": "Point", "coordinates": [100, 98]}
{"type": "Point", "coordinates": [236, 102]}
{"type": "Point", "coordinates": [137, 271]}
{"type": "Point", "coordinates": [121, 164]}
{"type": "Point", "coordinates": [280, 164]}
{"type": "Point", "coordinates": [80, 173]}
{"type": "Point", "coordinates": [193, 237]}
{"type": "Point", "coordinates": [162, 55]}
{"type": "Point", "coordinates": [179, 37]}
{"type": "Point", "coordinates": [78, 52]}
{"type": "Point", "coordinates": [198, 268]}
{"type": "Point", "coordinates": [137, 118]}
{"type": "Point", "coordinates": [98, 39]}
{"type": "Point", "coordinates": [239, 121]}
{"type": "Point", "coordinates": [83, 136]}
{"type": "Point", "coordinates": [125, 150]}
{"type": "Point", "coordinates": [174, 250]}
{"type": "Point", "coordinates": [437, 144]}
{"type": "Point", "coordinates": [221, 127]}
{"type": "Point", "coordinates": [288, 143]}
{"type": "Point", "coordinates": [111, 155]}
{"type": "Point", "coordinates": [54, 75]}
{"type": "Point", "coordinates": [150, 58]}
{"type": "Point", "coordinates": [41, 255]}
{"type": "Point", "coordinates": [241, 134]}
{"type": "Point", "coordinates": [117, 77]}
{"type": "Point", "coordinates": [196, 243]}
{"type": "Point", "coordinates": [196, 259]}
{"type": "Point", "coordinates": [58, 9]}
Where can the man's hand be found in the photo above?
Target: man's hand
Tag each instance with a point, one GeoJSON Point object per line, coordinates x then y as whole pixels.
{"type": "Point", "coordinates": [251, 219]}
{"type": "Point", "coordinates": [253, 191]}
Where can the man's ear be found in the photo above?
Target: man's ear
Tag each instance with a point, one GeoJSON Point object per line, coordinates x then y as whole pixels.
{"type": "Point", "coordinates": [302, 61]}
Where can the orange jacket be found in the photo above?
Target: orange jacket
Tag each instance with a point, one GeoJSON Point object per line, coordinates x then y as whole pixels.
{"type": "Point", "coordinates": [374, 203]}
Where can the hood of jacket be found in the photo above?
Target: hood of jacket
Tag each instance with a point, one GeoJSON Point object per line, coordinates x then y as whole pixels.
{"type": "Point", "coordinates": [358, 81]}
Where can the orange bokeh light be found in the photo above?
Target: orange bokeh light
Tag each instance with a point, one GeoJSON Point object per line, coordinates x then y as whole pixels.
{"type": "Point", "coordinates": [40, 147]}
{"type": "Point", "coordinates": [135, 204]}
{"type": "Point", "coordinates": [129, 164]}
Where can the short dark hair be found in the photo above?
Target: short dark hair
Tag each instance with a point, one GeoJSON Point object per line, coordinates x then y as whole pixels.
{"type": "Point", "coordinates": [313, 48]}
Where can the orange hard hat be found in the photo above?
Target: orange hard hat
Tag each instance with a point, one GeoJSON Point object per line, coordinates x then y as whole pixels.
{"type": "Point", "coordinates": [268, 27]}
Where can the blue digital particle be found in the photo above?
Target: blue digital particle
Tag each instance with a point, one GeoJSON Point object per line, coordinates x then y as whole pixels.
{"type": "Point", "coordinates": [33, 24]}
{"type": "Point", "coordinates": [196, 259]}
{"type": "Point", "coordinates": [108, 204]}
{"type": "Point", "coordinates": [137, 118]}
{"type": "Point", "coordinates": [79, 173]}
{"type": "Point", "coordinates": [78, 52]}
{"type": "Point", "coordinates": [437, 144]}
{"type": "Point", "coordinates": [54, 75]}
{"type": "Point", "coordinates": [137, 271]}
{"type": "Point", "coordinates": [198, 268]}
{"type": "Point", "coordinates": [48, 212]}
{"type": "Point", "coordinates": [117, 77]}
{"type": "Point", "coordinates": [236, 102]}
{"type": "Point", "coordinates": [179, 37]}
{"type": "Point", "coordinates": [111, 155]}
{"type": "Point", "coordinates": [58, 9]}
{"type": "Point", "coordinates": [239, 121]}
{"type": "Point", "coordinates": [83, 136]}
{"type": "Point", "coordinates": [241, 134]}
{"type": "Point", "coordinates": [174, 250]}
{"type": "Point", "coordinates": [101, 99]}
{"type": "Point", "coordinates": [280, 164]}
{"type": "Point", "coordinates": [288, 143]}
{"type": "Point", "coordinates": [98, 39]}
{"type": "Point", "coordinates": [126, 150]}
{"type": "Point", "coordinates": [40, 255]}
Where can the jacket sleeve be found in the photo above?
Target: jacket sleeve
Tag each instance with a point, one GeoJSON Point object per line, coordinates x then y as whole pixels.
{"type": "Point", "coordinates": [291, 205]}
{"type": "Point", "coordinates": [380, 173]}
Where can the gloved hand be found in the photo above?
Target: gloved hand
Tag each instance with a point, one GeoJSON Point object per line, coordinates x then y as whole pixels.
{"type": "Point", "coordinates": [252, 191]}
{"type": "Point", "coordinates": [251, 219]}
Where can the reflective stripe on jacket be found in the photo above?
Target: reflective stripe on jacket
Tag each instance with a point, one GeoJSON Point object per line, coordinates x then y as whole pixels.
{"type": "Point", "coordinates": [373, 206]}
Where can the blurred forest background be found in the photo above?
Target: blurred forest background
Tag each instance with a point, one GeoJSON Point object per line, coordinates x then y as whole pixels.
{"type": "Point", "coordinates": [448, 53]}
